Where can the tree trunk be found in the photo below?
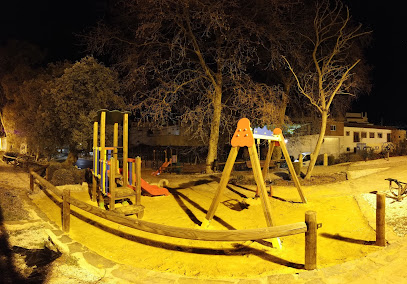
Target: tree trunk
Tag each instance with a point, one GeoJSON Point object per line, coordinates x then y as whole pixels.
{"type": "Point", "coordinates": [72, 157]}
{"type": "Point", "coordinates": [318, 146]}
{"type": "Point", "coordinates": [283, 105]}
{"type": "Point", "coordinates": [214, 135]}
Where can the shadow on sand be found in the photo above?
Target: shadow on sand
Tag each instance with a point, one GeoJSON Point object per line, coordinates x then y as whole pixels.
{"type": "Point", "coordinates": [239, 249]}
{"type": "Point", "coordinates": [37, 260]}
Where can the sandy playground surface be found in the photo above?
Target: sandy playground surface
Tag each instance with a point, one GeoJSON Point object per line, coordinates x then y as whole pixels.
{"type": "Point", "coordinates": [344, 207]}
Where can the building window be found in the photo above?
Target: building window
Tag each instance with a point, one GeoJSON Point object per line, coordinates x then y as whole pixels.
{"type": "Point", "coordinates": [348, 149]}
{"type": "Point", "coordinates": [356, 137]}
{"type": "Point", "coordinates": [379, 135]}
{"type": "Point", "coordinates": [333, 127]}
{"type": "Point", "coordinates": [347, 133]}
{"type": "Point", "coordinates": [371, 134]}
{"type": "Point", "coordinates": [363, 134]}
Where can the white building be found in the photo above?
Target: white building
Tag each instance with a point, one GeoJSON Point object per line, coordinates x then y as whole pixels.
{"type": "Point", "coordinates": [349, 136]}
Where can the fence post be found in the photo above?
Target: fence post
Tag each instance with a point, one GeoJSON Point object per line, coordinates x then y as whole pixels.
{"type": "Point", "coordinates": [381, 219]}
{"type": "Point", "coordinates": [31, 182]}
{"type": "Point", "coordinates": [66, 211]}
{"type": "Point", "coordinates": [311, 240]}
{"type": "Point", "coordinates": [47, 173]}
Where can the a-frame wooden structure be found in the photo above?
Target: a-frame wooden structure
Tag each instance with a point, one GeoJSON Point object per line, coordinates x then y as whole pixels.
{"type": "Point", "coordinates": [243, 137]}
{"type": "Point", "coordinates": [276, 138]}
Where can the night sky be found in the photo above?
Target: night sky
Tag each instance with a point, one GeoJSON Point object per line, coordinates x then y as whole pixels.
{"type": "Point", "coordinates": [53, 24]}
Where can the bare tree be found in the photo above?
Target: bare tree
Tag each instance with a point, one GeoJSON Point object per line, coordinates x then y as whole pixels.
{"type": "Point", "coordinates": [190, 59]}
{"type": "Point", "coordinates": [335, 52]}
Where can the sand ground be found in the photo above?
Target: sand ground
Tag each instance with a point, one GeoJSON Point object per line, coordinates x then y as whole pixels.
{"type": "Point", "coordinates": [345, 209]}
{"type": "Point", "coordinates": [346, 233]}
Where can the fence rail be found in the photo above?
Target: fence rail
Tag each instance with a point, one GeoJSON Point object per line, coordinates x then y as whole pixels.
{"type": "Point", "coordinates": [309, 227]}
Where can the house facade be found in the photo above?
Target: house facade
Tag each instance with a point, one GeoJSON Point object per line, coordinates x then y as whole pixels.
{"type": "Point", "coordinates": [352, 134]}
{"type": "Point", "coordinates": [170, 135]}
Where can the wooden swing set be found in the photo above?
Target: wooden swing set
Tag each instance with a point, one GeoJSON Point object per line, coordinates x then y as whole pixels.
{"type": "Point", "coordinates": [244, 137]}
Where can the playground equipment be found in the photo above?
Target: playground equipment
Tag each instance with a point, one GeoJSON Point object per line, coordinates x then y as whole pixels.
{"type": "Point", "coordinates": [162, 168]}
{"type": "Point", "coordinates": [106, 167]}
{"type": "Point", "coordinates": [276, 138]}
{"type": "Point", "coordinates": [401, 188]}
{"type": "Point", "coordinates": [244, 137]}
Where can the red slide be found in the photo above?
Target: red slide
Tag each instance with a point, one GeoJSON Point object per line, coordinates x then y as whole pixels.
{"type": "Point", "coordinates": [153, 189]}
{"type": "Point", "coordinates": [163, 167]}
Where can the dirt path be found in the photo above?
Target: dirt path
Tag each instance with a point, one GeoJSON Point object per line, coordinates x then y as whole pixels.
{"type": "Point", "coordinates": [26, 253]}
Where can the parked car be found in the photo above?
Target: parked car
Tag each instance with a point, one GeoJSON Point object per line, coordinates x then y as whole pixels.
{"type": "Point", "coordinates": [10, 157]}
{"type": "Point", "coordinates": [306, 158]}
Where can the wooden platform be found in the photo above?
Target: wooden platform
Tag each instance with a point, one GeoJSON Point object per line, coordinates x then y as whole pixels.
{"type": "Point", "coordinates": [130, 210]}
{"type": "Point", "coordinates": [123, 192]}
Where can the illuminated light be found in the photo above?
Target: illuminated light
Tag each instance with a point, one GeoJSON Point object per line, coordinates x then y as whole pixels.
{"type": "Point", "coordinates": [286, 141]}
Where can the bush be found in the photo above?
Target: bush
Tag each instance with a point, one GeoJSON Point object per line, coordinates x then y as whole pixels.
{"type": "Point", "coordinates": [72, 175]}
{"type": "Point", "coordinates": [320, 159]}
{"type": "Point", "coordinates": [63, 177]}
{"type": "Point", "coordinates": [52, 168]}
{"type": "Point", "coordinates": [350, 157]}
{"type": "Point", "coordinates": [331, 160]}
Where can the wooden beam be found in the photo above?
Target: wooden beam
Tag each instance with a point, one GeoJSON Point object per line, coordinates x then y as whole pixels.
{"type": "Point", "coordinates": [112, 183]}
{"type": "Point", "coordinates": [102, 135]}
{"type": "Point", "coordinates": [138, 180]}
{"type": "Point", "coordinates": [115, 139]}
{"type": "Point", "coordinates": [381, 219]}
{"type": "Point", "coordinates": [291, 168]}
{"type": "Point", "coordinates": [183, 233]}
{"type": "Point", "coordinates": [222, 185]}
{"type": "Point", "coordinates": [268, 158]}
{"type": "Point", "coordinates": [260, 185]}
{"type": "Point", "coordinates": [311, 240]}
{"type": "Point", "coordinates": [66, 211]}
{"type": "Point", "coordinates": [31, 183]}
{"type": "Point", "coordinates": [125, 148]}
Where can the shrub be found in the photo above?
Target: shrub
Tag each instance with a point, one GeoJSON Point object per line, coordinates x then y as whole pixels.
{"type": "Point", "coordinates": [52, 168]}
{"type": "Point", "coordinates": [331, 160]}
{"type": "Point", "coordinates": [63, 177]}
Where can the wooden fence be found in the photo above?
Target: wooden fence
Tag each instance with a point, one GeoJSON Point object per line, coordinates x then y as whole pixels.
{"type": "Point", "coordinates": [309, 227]}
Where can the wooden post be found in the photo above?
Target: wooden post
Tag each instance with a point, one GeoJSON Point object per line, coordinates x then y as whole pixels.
{"type": "Point", "coordinates": [381, 219]}
{"type": "Point", "coordinates": [311, 240]}
{"type": "Point", "coordinates": [325, 159]}
{"type": "Point", "coordinates": [268, 159]}
{"type": "Point", "coordinates": [138, 180]}
{"type": "Point", "coordinates": [95, 159]}
{"type": "Point", "coordinates": [260, 184]}
{"type": "Point", "coordinates": [94, 187]}
{"type": "Point", "coordinates": [102, 135]}
{"type": "Point", "coordinates": [300, 160]}
{"type": "Point", "coordinates": [291, 168]}
{"type": "Point", "coordinates": [125, 149]}
{"type": "Point", "coordinates": [31, 182]}
{"type": "Point", "coordinates": [112, 183]}
{"type": "Point", "coordinates": [222, 185]}
{"type": "Point", "coordinates": [115, 139]}
{"type": "Point", "coordinates": [66, 211]}
{"type": "Point", "coordinates": [47, 173]}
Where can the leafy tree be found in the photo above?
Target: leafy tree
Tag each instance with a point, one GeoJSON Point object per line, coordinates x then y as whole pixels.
{"type": "Point", "coordinates": [25, 111]}
{"type": "Point", "coordinates": [17, 62]}
{"type": "Point", "coordinates": [84, 88]}
{"type": "Point", "coordinates": [191, 59]}
{"type": "Point", "coordinates": [336, 53]}
{"type": "Point", "coordinates": [54, 106]}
